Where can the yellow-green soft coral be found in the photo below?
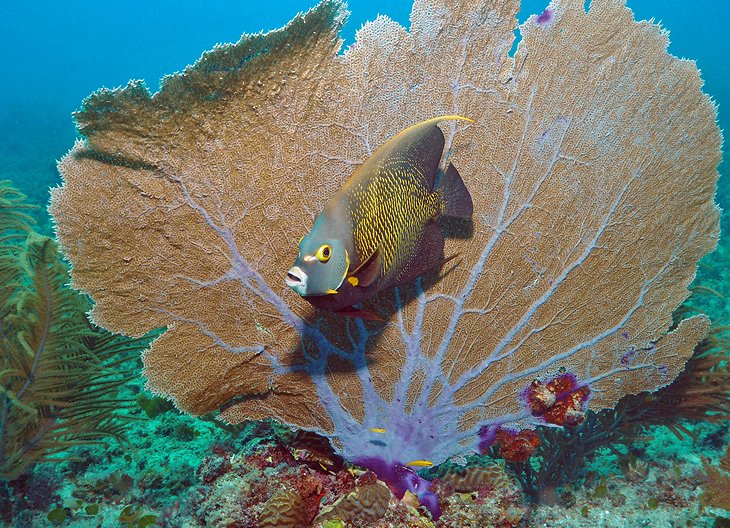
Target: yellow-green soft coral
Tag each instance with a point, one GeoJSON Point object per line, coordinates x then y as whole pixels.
{"type": "Point", "coordinates": [59, 374]}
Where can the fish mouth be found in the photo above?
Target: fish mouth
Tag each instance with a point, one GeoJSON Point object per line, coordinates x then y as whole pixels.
{"type": "Point", "coordinates": [296, 279]}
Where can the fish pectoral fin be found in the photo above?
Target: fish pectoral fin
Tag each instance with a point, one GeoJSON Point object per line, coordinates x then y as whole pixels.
{"type": "Point", "coordinates": [444, 261]}
{"type": "Point", "coordinates": [367, 315]}
{"type": "Point", "coordinates": [367, 272]}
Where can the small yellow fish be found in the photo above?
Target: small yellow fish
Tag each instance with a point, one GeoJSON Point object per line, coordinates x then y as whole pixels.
{"type": "Point", "coordinates": [377, 430]}
{"type": "Point", "coordinates": [420, 463]}
{"type": "Point", "coordinates": [380, 228]}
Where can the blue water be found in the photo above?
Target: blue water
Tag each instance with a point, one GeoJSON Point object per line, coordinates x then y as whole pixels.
{"type": "Point", "coordinates": [56, 53]}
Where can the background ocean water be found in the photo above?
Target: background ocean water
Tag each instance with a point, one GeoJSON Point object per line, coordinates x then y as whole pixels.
{"type": "Point", "coordinates": [57, 53]}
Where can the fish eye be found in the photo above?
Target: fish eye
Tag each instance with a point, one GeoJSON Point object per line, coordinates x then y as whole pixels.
{"type": "Point", "coordinates": [323, 253]}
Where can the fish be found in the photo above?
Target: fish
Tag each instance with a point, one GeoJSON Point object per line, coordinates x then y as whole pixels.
{"type": "Point", "coordinates": [420, 463]}
{"type": "Point", "coordinates": [379, 229]}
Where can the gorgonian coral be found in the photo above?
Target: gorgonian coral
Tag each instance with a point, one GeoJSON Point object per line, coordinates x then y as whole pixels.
{"type": "Point", "coordinates": [59, 375]}
{"type": "Point", "coordinates": [592, 163]}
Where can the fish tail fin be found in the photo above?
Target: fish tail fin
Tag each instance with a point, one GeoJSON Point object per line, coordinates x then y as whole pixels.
{"type": "Point", "coordinates": [456, 200]}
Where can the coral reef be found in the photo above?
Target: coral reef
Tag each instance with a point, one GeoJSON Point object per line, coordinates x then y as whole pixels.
{"type": "Point", "coordinates": [717, 488]}
{"type": "Point", "coordinates": [592, 164]}
{"type": "Point", "coordinates": [667, 497]}
{"type": "Point", "coordinates": [700, 392]}
{"type": "Point", "coordinates": [220, 479]}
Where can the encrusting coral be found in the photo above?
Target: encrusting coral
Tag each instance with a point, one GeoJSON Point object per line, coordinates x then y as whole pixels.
{"type": "Point", "coordinates": [701, 392]}
{"type": "Point", "coordinates": [59, 374]}
{"type": "Point", "coordinates": [592, 163]}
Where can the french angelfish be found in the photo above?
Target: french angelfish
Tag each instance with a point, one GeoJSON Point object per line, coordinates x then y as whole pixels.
{"type": "Point", "coordinates": [380, 229]}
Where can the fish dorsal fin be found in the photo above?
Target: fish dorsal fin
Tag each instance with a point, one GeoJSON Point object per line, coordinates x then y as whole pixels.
{"type": "Point", "coordinates": [367, 272]}
{"type": "Point", "coordinates": [419, 146]}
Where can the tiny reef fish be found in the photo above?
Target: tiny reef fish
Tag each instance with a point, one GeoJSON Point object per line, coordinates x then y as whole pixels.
{"type": "Point", "coordinates": [380, 228]}
{"type": "Point", "coordinates": [420, 463]}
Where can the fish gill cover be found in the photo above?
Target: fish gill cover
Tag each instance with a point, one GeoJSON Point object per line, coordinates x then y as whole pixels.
{"type": "Point", "coordinates": [592, 163]}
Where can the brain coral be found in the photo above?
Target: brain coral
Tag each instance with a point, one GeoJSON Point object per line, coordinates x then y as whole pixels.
{"type": "Point", "coordinates": [285, 509]}
{"type": "Point", "coordinates": [592, 161]}
{"type": "Point", "coordinates": [361, 507]}
{"type": "Point", "coordinates": [472, 477]}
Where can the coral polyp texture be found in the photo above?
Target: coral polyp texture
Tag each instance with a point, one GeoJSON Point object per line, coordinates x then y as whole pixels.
{"type": "Point", "coordinates": [592, 163]}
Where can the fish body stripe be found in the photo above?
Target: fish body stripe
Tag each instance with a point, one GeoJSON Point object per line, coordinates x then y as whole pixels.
{"type": "Point", "coordinates": [389, 209]}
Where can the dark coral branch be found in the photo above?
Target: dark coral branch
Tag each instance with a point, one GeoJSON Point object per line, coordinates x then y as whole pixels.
{"type": "Point", "coordinates": [716, 491]}
{"type": "Point", "coordinates": [44, 294]}
{"type": "Point", "coordinates": [700, 393]}
{"type": "Point", "coordinates": [15, 225]}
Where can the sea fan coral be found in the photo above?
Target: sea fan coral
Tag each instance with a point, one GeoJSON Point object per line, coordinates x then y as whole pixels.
{"type": "Point", "coordinates": [592, 163]}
